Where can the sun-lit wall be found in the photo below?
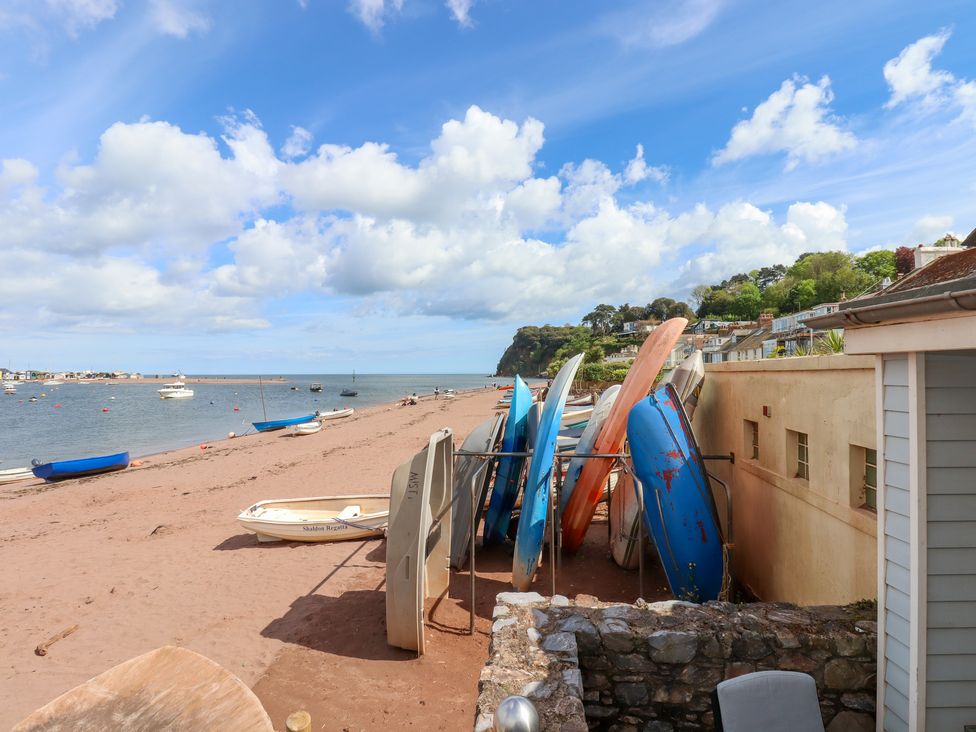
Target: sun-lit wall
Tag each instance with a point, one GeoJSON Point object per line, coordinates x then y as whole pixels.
{"type": "Point", "coordinates": [802, 530]}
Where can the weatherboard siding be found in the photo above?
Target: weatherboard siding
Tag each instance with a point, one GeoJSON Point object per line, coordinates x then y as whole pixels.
{"type": "Point", "coordinates": [950, 398]}
{"type": "Point", "coordinates": [895, 519]}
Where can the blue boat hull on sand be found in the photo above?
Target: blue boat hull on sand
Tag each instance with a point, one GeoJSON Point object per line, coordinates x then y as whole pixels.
{"type": "Point", "coordinates": [65, 469]}
{"type": "Point", "coordinates": [506, 488]}
{"type": "Point", "coordinates": [538, 481]}
{"type": "Point", "coordinates": [679, 510]}
{"type": "Point", "coordinates": [278, 424]}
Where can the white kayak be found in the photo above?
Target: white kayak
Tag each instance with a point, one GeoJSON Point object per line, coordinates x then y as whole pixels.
{"type": "Point", "coordinates": [308, 428]}
{"type": "Point", "coordinates": [15, 474]}
{"type": "Point", "coordinates": [575, 416]}
{"type": "Point", "coordinates": [625, 523]}
{"type": "Point", "coordinates": [336, 413]}
{"type": "Point", "coordinates": [688, 378]}
{"type": "Point", "coordinates": [325, 518]}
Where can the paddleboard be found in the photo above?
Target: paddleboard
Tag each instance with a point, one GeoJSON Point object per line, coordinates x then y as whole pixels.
{"type": "Point", "coordinates": [506, 487]}
{"type": "Point", "coordinates": [471, 472]}
{"type": "Point", "coordinates": [679, 510]}
{"type": "Point", "coordinates": [538, 481]}
{"type": "Point", "coordinates": [586, 493]}
{"type": "Point", "coordinates": [586, 440]}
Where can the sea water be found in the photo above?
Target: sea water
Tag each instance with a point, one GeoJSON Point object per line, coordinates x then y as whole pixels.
{"type": "Point", "coordinates": [71, 421]}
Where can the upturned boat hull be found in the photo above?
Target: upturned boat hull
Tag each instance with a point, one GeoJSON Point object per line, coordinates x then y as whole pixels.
{"type": "Point", "coordinates": [64, 469]}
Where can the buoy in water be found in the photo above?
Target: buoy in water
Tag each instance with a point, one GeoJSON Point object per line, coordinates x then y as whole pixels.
{"type": "Point", "coordinates": [237, 409]}
{"type": "Point", "coordinates": [104, 409]}
{"type": "Point", "coordinates": [57, 406]}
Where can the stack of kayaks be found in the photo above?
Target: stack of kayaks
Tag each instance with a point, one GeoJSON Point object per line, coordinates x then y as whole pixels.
{"type": "Point", "coordinates": [472, 478]}
{"type": "Point", "coordinates": [506, 487]}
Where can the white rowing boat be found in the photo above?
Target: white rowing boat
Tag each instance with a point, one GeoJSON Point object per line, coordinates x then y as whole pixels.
{"type": "Point", "coordinates": [15, 474]}
{"type": "Point", "coordinates": [325, 518]}
{"type": "Point", "coordinates": [335, 413]}
{"type": "Point", "coordinates": [308, 428]}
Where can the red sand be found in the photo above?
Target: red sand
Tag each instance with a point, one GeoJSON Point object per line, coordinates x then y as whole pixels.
{"type": "Point", "coordinates": [153, 556]}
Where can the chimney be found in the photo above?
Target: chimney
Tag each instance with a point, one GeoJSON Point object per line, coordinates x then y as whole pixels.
{"type": "Point", "coordinates": [765, 320]}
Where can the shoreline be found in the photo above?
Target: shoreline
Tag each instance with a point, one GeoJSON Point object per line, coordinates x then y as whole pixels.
{"type": "Point", "coordinates": [153, 555]}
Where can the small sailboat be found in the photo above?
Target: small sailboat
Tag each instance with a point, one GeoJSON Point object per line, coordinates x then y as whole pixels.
{"type": "Point", "coordinates": [349, 391]}
{"type": "Point", "coordinates": [280, 424]}
{"type": "Point", "coordinates": [325, 518]}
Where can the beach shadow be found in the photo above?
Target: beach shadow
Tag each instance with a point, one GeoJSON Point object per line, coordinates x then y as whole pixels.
{"type": "Point", "coordinates": [351, 625]}
{"type": "Point", "coordinates": [250, 541]}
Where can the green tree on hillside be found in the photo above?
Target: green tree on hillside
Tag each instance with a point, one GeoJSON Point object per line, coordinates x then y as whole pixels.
{"type": "Point", "coordinates": [602, 319]}
{"type": "Point", "coordinates": [878, 264]}
{"type": "Point", "coordinates": [748, 302]}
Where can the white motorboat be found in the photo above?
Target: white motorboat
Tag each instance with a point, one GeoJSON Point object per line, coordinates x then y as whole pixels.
{"type": "Point", "coordinates": [53, 382]}
{"type": "Point", "coordinates": [335, 413]}
{"type": "Point", "coordinates": [176, 390]}
{"type": "Point", "coordinates": [9, 387]}
{"type": "Point", "coordinates": [15, 474]}
{"type": "Point", "coordinates": [325, 518]}
{"type": "Point", "coordinates": [308, 428]}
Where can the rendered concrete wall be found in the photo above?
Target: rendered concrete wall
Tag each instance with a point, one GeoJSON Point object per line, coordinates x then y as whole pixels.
{"type": "Point", "coordinates": [796, 540]}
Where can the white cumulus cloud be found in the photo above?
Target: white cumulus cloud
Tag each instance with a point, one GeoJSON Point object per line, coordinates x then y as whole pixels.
{"type": "Point", "coordinates": [910, 77]}
{"type": "Point", "coordinates": [179, 18]}
{"type": "Point", "coordinates": [373, 13]}
{"type": "Point", "coordinates": [461, 10]}
{"type": "Point", "coordinates": [298, 143]}
{"type": "Point", "coordinates": [796, 119]}
{"type": "Point", "coordinates": [83, 14]}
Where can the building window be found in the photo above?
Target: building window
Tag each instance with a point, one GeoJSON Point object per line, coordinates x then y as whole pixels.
{"type": "Point", "coordinates": [751, 435]}
{"type": "Point", "coordinates": [802, 457]}
{"type": "Point", "coordinates": [798, 444]}
{"type": "Point", "coordinates": [871, 479]}
{"type": "Point", "coordinates": [864, 478]}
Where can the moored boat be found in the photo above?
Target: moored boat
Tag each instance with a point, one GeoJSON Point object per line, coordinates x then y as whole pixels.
{"type": "Point", "coordinates": [315, 387]}
{"type": "Point", "coordinates": [176, 390]}
{"type": "Point", "coordinates": [324, 518]}
{"type": "Point", "coordinates": [348, 393]}
{"type": "Point", "coordinates": [279, 424]}
{"type": "Point", "coordinates": [64, 469]}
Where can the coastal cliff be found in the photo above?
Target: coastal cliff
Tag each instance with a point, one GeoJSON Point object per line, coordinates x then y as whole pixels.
{"type": "Point", "coordinates": [533, 347]}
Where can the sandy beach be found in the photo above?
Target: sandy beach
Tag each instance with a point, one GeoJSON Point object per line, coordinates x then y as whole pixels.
{"type": "Point", "coordinates": [153, 556]}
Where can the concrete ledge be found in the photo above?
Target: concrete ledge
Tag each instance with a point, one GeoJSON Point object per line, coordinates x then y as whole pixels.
{"type": "Point", "coordinates": [797, 363]}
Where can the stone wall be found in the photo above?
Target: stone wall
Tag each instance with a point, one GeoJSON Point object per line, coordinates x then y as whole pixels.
{"type": "Point", "coordinates": [652, 667]}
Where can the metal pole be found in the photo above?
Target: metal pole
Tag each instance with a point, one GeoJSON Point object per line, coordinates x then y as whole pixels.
{"type": "Point", "coordinates": [263, 409]}
{"type": "Point", "coordinates": [559, 515]}
{"type": "Point", "coordinates": [473, 542]}
{"type": "Point", "coordinates": [552, 536]}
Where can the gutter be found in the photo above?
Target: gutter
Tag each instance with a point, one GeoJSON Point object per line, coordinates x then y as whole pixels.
{"type": "Point", "coordinates": [944, 302]}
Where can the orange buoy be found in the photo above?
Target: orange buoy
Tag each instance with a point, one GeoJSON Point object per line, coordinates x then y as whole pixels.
{"type": "Point", "coordinates": [204, 446]}
{"type": "Point", "coordinates": [135, 463]}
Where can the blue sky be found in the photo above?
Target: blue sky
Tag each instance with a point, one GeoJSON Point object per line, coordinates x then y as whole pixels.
{"type": "Point", "coordinates": [395, 185]}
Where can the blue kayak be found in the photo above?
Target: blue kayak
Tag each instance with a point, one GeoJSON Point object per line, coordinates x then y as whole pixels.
{"type": "Point", "coordinates": [506, 488]}
{"type": "Point", "coordinates": [679, 510]}
{"type": "Point", "coordinates": [64, 469]}
{"type": "Point", "coordinates": [278, 424]}
{"type": "Point", "coordinates": [538, 480]}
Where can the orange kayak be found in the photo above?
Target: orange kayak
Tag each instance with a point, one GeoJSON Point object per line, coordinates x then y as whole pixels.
{"type": "Point", "coordinates": [589, 486]}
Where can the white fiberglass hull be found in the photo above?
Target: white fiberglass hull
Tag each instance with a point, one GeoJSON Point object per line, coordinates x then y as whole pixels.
{"type": "Point", "coordinates": [175, 393]}
{"type": "Point", "coordinates": [308, 428]}
{"type": "Point", "coordinates": [326, 518]}
{"type": "Point", "coordinates": [337, 414]}
{"type": "Point", "coordinates": [15, 474]}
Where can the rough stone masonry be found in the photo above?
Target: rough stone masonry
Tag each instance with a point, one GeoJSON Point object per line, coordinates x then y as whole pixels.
{"type": "Point", "coordinates": [589, 665]}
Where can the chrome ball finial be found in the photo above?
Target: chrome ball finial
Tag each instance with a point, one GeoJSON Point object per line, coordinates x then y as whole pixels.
{"type": "Point", "coordinates": [516, 714]}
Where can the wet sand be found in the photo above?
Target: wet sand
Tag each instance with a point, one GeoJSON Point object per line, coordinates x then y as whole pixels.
{"type": "Point", "coordinates": [153, 556]}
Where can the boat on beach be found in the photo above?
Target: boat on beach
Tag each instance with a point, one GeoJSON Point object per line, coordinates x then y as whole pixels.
{"type": "Point", "coordinates": [64, 469]}
{"type": "Point", "coordinates": [176, 390]}
{"type": "Point", "coordinates": [308, 428]}
{"type": "Point", "coordinates": [280, 424]}
{"type": "Point", "coordinates": [12, 475]}
{"type": "Point", "coordinates": [336, 413]}
{"type": "Point", "coordinates": [323, 518]}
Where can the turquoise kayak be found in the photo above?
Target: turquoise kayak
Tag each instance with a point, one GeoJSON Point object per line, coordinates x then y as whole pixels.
{"type": "Point", "coordinates": [538, 481]}
{"type": "Point", "coordinates": [506, 487]}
